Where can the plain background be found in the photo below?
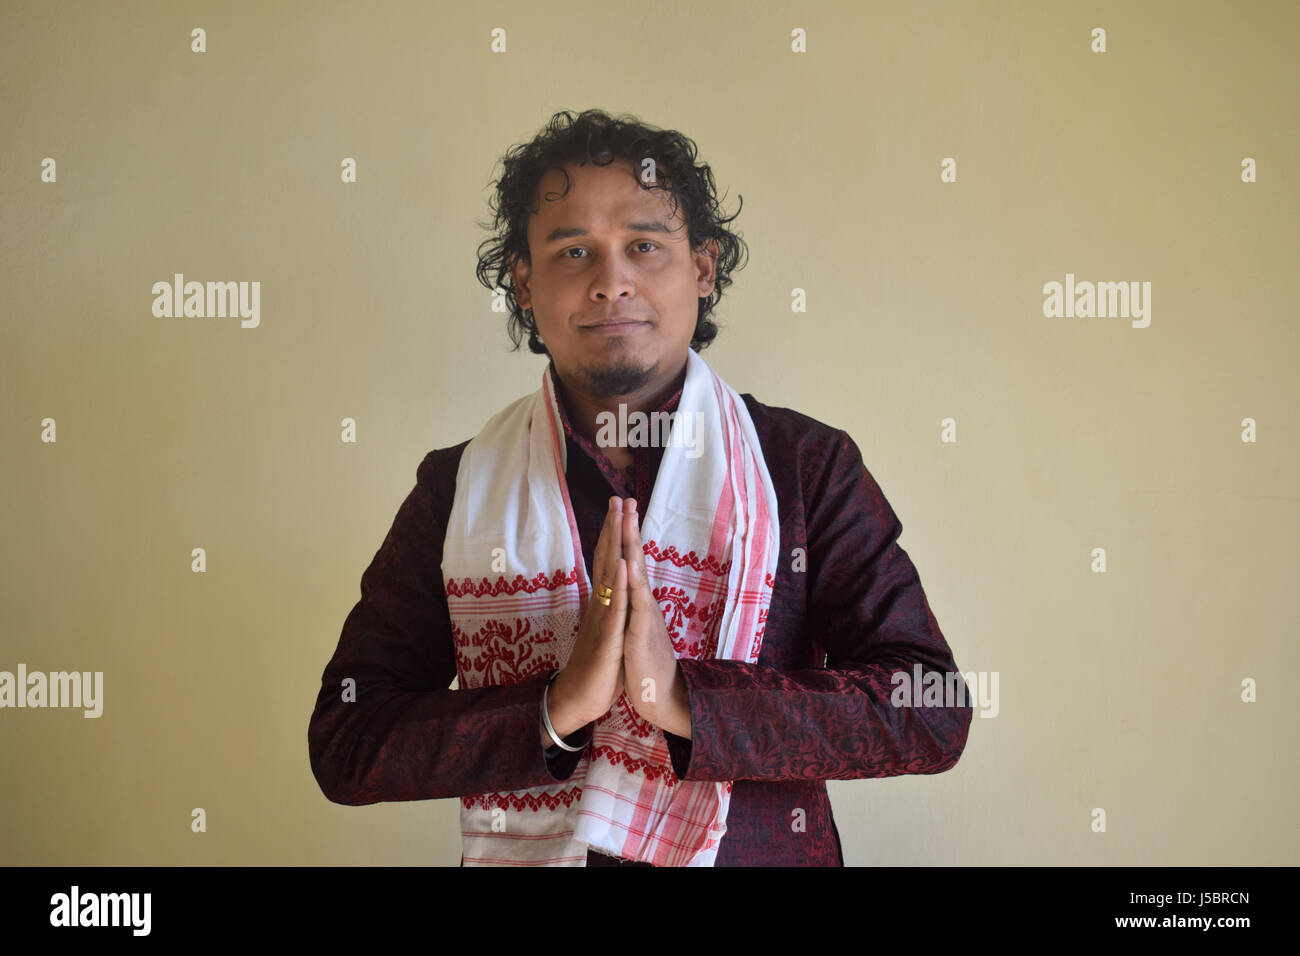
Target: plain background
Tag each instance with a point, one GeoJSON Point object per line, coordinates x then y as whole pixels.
{"type": "Point", "coordinates": [1118, 690]}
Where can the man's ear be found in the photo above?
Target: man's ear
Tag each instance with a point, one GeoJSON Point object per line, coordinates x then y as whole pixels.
{"type": "Point", "coordinates": [521, 272]}
{"type": "Point", "coordinates": [706, 266]}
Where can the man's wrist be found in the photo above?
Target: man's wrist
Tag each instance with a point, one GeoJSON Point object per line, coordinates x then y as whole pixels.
{"type": "Point", "coordinates": [559, 707]}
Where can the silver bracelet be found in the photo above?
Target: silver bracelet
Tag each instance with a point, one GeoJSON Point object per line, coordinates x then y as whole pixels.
{"type": "Point", "coordinates": [546, 717]}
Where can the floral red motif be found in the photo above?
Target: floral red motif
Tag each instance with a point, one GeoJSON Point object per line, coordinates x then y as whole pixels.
{"type": "Point", "coordinates": [503, 654]}
{"type": "Point", "coordinates": [677, 607]}
{"type": "Point", "coordinates": [712, 617]}
{"type": "Point", "coordinates": [633, 720]}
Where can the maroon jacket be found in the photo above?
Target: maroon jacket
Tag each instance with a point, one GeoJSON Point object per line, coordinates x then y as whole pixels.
{"type": "Point", "coordinates": [847, 612]}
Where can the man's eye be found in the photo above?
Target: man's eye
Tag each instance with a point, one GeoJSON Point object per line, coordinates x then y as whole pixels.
{"type": "Point", "coordinates": [644, 242]}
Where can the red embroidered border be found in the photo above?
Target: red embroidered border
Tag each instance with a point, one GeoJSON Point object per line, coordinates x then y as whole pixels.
{"type": "Point", "coordinates": [708, 563]}
{"type": "Point", "coordinates": [527, 801]}
{"type": "Point", "coordinates": [466, 587]}
{"type": "Point", "coordinates": [636, 764]}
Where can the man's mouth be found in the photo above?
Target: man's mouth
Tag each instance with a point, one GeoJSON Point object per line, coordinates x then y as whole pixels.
{"type": "Point", "coordinates": [617, 325]}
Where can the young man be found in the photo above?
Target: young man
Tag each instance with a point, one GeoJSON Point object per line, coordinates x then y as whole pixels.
{"type": "Point", "coordinates": [669, 632]}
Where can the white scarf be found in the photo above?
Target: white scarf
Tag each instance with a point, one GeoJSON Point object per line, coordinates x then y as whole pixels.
{"type": "Point", "coordinates": [517, 583]}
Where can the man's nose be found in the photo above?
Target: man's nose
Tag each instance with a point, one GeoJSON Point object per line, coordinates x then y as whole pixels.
{"type": "Point", "coordinates": [612, 280]}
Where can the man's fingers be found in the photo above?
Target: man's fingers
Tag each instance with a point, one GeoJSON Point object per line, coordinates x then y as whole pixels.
{"type": "Point", "coordinates": [615, 531]}
{"type": "Point", "coordinates": [614, 539]}
{"type": "Point", "coordinates": [633, 553]}
{"type": "Point", "coordinates": [618, 603]}
{"type": "Point", "coordinates": [608, 550]}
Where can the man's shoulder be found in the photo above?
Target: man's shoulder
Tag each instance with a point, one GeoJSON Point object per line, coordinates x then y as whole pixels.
{"type": "Point", "coordinates": [791, 430]}
{"type": "Point", "coordinates": [442, 458]}
{"type": "Point", "coordinates": [436, 473]}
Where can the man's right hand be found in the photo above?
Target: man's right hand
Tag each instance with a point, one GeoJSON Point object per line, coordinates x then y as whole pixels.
{"type": "Point", "coordinates": [592, 681]}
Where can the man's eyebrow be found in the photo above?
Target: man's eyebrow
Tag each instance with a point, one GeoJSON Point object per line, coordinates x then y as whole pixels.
{"type": "Point", "coordinates": [555, 235]}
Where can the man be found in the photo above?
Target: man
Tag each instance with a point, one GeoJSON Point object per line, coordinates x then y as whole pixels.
{"type": "Point", "coordinates": [664, 647]}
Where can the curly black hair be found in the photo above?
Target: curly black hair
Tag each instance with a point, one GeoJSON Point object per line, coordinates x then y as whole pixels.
{"type": "Point", "coordinates": [594, 136]}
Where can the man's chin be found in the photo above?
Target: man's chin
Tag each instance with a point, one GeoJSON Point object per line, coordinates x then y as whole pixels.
{"type": "Point", "coordinates": [617, 377]}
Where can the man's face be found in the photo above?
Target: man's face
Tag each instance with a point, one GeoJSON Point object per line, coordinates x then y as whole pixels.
{"type": "Point", "coordinates": [609, 250]}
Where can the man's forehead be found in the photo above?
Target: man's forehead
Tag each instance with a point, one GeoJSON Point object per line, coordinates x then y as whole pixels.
{"type": "Point", "coordinates": [607, 195]}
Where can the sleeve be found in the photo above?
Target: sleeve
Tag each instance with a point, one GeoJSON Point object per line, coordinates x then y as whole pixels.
{"type": "Point", "coordinates": [867, 609]}
{"type": "Point", "coordinates": [400, 732]}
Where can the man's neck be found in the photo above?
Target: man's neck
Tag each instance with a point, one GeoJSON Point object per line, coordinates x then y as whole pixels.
{"type": "Point", "coordinates": [583, 408]}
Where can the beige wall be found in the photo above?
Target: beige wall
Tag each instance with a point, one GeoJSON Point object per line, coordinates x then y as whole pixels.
{"type": "Point", "coordinates": [1118, 690]}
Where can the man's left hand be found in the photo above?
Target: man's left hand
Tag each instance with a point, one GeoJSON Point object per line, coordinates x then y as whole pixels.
{"type": "Point", "coordinates": [652, 678]}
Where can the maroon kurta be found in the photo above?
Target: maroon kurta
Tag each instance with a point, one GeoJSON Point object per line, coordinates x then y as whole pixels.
{"type": "Point", "coordinates": [847, 612]}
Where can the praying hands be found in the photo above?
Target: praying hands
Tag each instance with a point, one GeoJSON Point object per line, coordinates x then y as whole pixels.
{"type": "Point", "coordinates": [622, 645]}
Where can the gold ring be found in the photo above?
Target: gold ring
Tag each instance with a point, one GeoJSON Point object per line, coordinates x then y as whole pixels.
{"type": "Point", "coordinates": [604, 594]}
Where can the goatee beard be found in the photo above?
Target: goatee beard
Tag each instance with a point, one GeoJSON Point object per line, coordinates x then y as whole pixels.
{"type": "Point", "coordinates": [623, 378]}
